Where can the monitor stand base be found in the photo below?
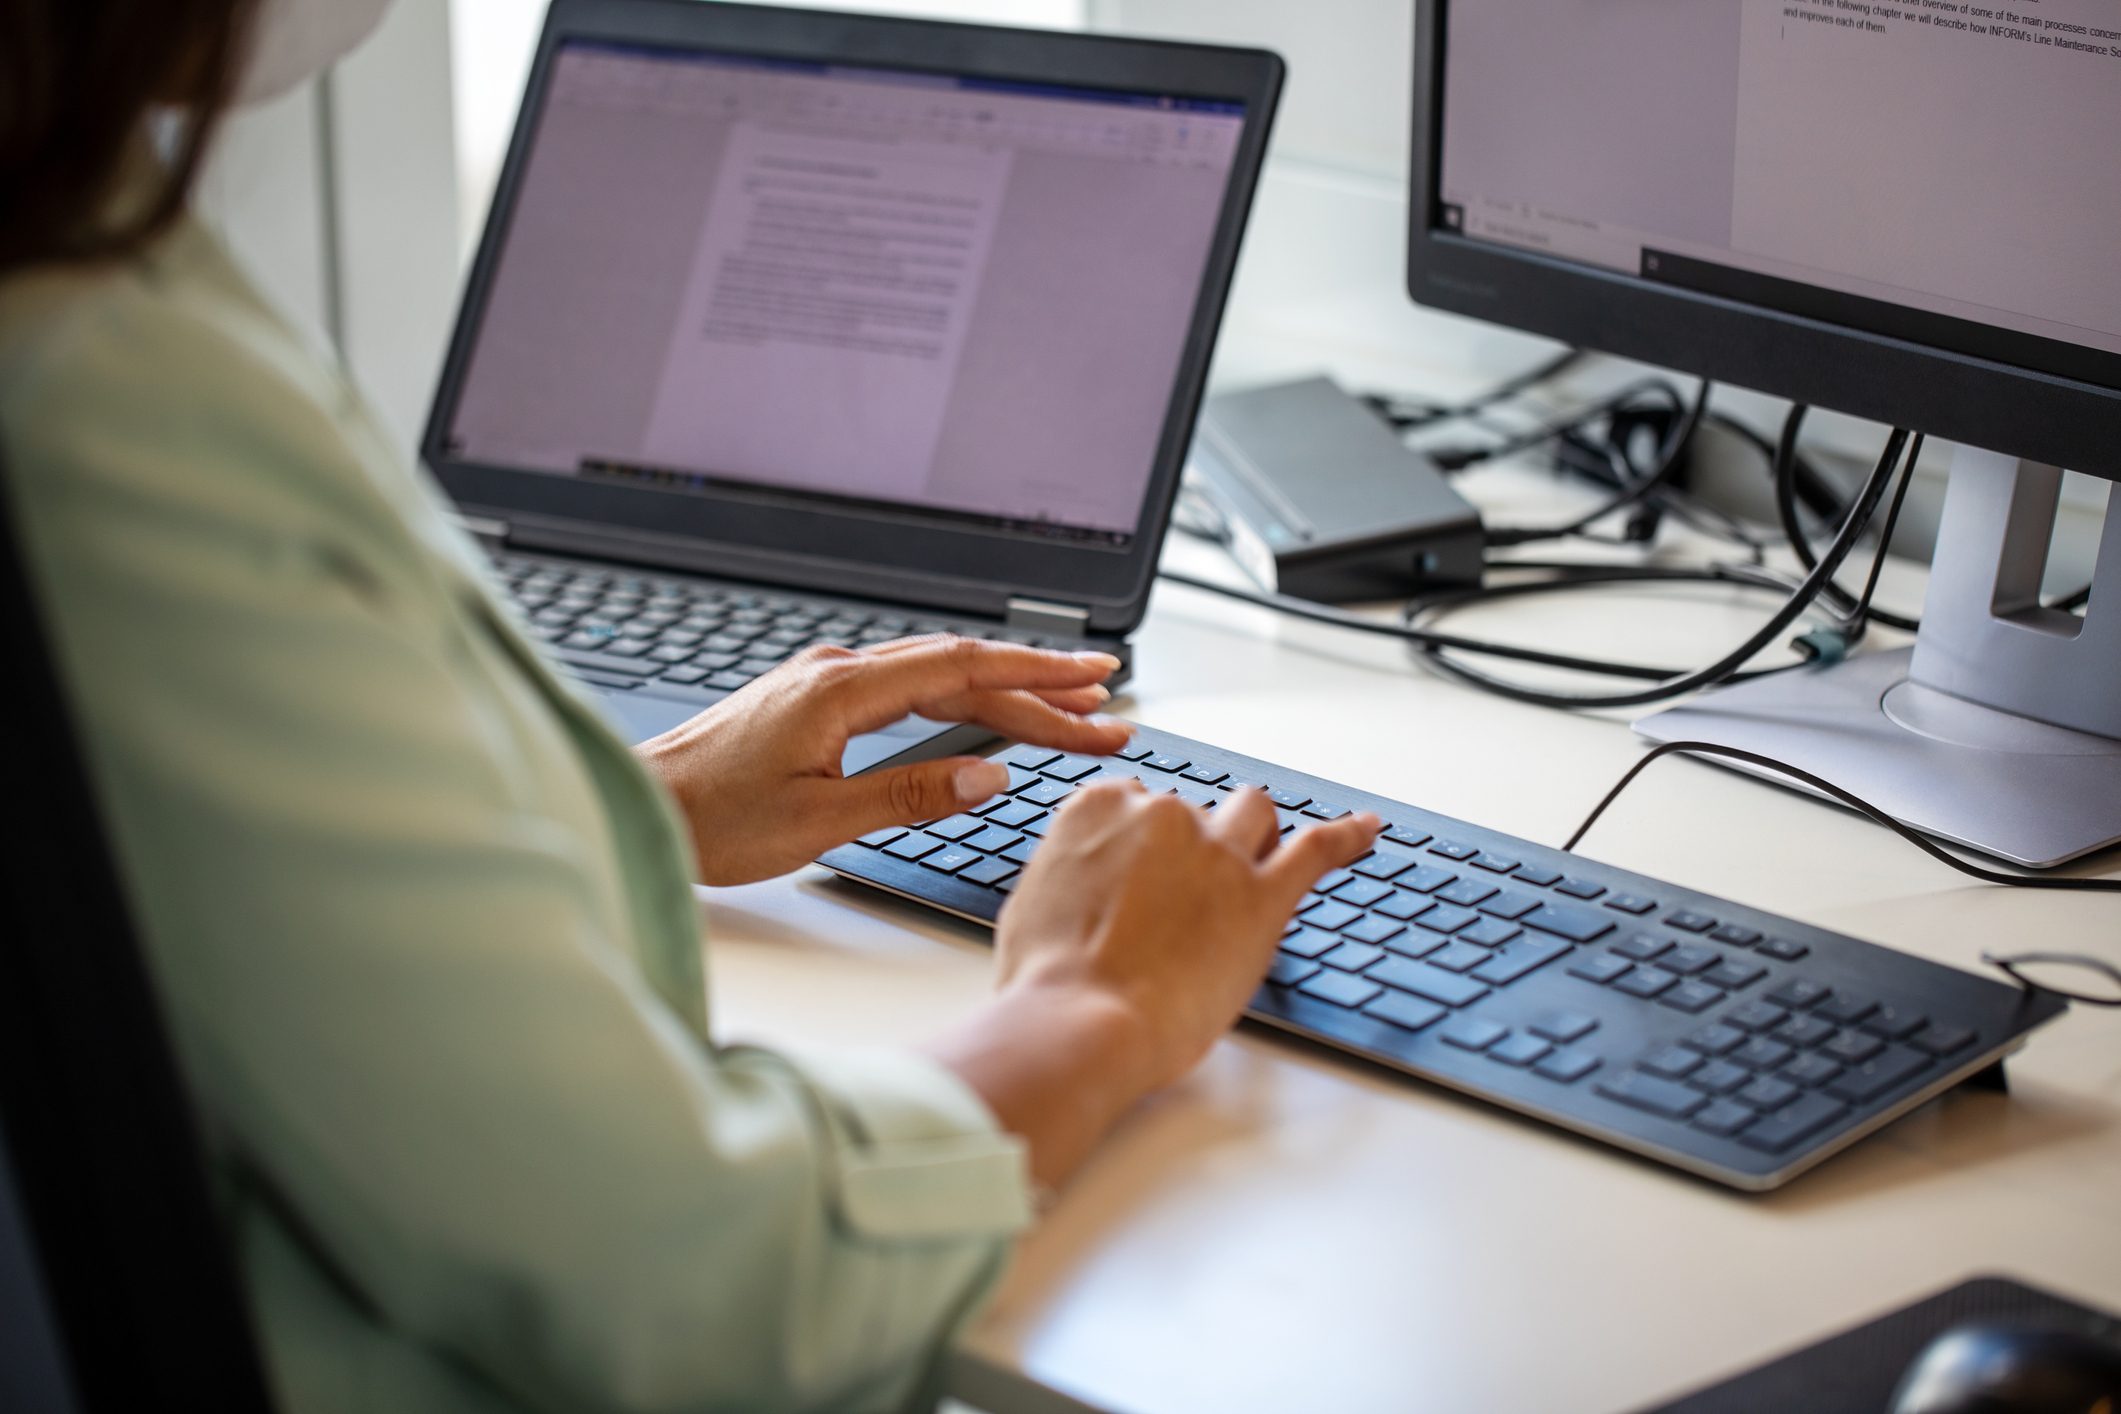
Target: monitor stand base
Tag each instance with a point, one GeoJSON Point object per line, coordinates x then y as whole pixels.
{"type": "Point", "coordinates": [2004, 785]}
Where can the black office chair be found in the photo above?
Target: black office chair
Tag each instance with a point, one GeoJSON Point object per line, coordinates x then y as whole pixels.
{"type": "Point", "coordinates": [117, 1292]}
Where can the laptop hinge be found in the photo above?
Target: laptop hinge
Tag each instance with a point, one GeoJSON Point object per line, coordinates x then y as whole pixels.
{"type": "Point", "coordinates": [485, 528]}
{"type": "Point", "coordinates": [1040, 616]}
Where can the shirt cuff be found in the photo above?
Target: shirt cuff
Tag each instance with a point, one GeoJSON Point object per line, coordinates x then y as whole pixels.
{"type": "Point", "coordinates": [918, 1155]}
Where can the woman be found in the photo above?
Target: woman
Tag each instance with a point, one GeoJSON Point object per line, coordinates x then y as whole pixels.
{"type": "Point", "coordinates": [425, 929]}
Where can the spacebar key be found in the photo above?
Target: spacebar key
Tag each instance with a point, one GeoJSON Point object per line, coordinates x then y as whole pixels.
{"type": "Point", "coordinates": [1647, 1092]}
{"type": "Point", "coordinates": [608, 663]}
{"type": "Point", "coordinates": [1578, 925]}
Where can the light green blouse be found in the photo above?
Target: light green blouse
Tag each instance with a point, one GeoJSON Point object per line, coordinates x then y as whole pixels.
{"type": "Point", "coordinates": [425, 931]}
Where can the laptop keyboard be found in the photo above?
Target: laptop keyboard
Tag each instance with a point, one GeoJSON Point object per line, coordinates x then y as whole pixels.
{"type": "Point", "coordinates": [695, 638]}
{"type": "Point", "coordinates": [1727, 1041]}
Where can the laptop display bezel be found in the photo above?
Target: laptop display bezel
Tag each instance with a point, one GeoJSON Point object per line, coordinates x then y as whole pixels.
{"type": "Point", "coordinates": [874, 552]}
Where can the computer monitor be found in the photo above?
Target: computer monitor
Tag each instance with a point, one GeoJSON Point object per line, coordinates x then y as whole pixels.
{"type": "Point", "coordinates": [1907, 210]}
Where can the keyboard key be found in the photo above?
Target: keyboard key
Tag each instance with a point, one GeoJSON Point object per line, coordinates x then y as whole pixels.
{"type": "Point", "coordinates": [1339, 988]}
{"type": "Point", "coordinates": [1384, 864]}
{"type": "Point", "coordinates": [1493, 863]}
{"type": "Point", "coordinates": [1642, 946]}
{"type": "Point", "coordinates": [1425, 879]}
{"type": "Point", "coordinates": [1886, 1071]}
{"type": "Point", "coordinates": [1567, 1066]}
{"type": "Point", "coordinates": [1207, 775]}
{"type": "Point", "coordinates": [1688, 921]}
{"type": "Point", "coordinates": [1646, 1092]}
{"type": "Point", "coordinates": [1325, 810]}
{"type": "Point", "coordinates": [1353, 957]}
{"type": "Point", "coordinates": [1013, 814]}
{"type": "Point", "coordinates": [1331, 880]}
{"type": "Point", "coordinates": [1691, 996]}
{"type": "Point", "coordinates": [1165, 761]}
{"type": "Point", "coordinates": [1761, 1053]}
{"type": "Point", "coordinates": [1894, 1023]}
{"type": "Point", "coordinates": [1459, 957]}
{"type": "Point", "coordinates": [1688, 959]}
{"type": "Point", "coordinates": [1446, 918]}
{"type": "Point", "coordinates": [1490, 932]}
{"type": "Point", "coordinates": [1736, 935]}
{"type": "Point", "coordinates": [1331, 915]}
{"type": "Point", "coordinates": [1811, 1071]}
{"type": "Point", "coordinates": [1564, 1026]}
{"type": "Point", "coordinates": [1797, 994]}
{"type": "Point", "coordinates": [1578, 925]}
{"type": "Point", "coordinates": [1852, 1048]}
{"type": "Point", "coordinates": [1310, 942]}
{"type": "Point", "coordinates": [1046, 793]}
{"type": "Point", "coordinates": [1408, 1013]}
{"type": "Point", "coordinates": [957, 827]}
{"type": "Point", "coordinates": [1536, 876]}
{"type": "Point", "coordinates": [913, 847]}
{"type": "Point", "coordinates": [1510, 904]}
{"type": "Point", "coordinates": [1289, 799]}
{"type": "Point", "coordinates": [1805, 1031]}
{"type": "Point", "coordinates": [1757, 1017]}
{"type": "Point", "coordinates": [1716, 1040]}
{"type": "Point", "coordinates": [1601, 968]}
{"type": "Point", "coordinates": [1362, 892]}
{"type": "Point", "coordinates": [1646, 982]}
{"type": "Point", "coordinates": [1767, 1093]}
{"type": "Point", "coordinates": [950, 859]}
{"type": "Point", "coordinates": [1673, 1062]}
{"type": "Point", "coordinates": [1720, 1077]}
{"type": "Point", "coordinates": [994, 839]}
{"type": "Point", "coordinates": [1793, 1124]}
{"type": "Point", "coordinates": [1470, 1033]}
{"type": "Point", "coordinates": [1734, 976]}
{"type": "Point", "coordinates": [1579, 888]}
{"type": "Point", "coordinates": [1408, 836]}
{"type": "Point", "coordinates": [1519, 959]}
{"type": "Point", "coordinates": [1412, 944]}
{"type": "Point", "coordinates": [1724, 1119]}
{"type": "Point", "coordinates": [1783, 950]}
{"type": "Point", "coordinates": [1021, 854]}
{"type": "Point", "coordinates": [1373, 929]}
{"type": "Point", "coordinates": [1072, 768]}
{"type": "Point", "coordinates": [1846, 1011]}
{"type": "Point", "coordinates": [881, 838]}
{"type": "Point", "coordinates": [989, 872]}
{"type": "Point", "coordinates": [1466, 892]}
{"type": "Point", "coordinates": [1403, 905]}
{"type": "Point", "coordinates": [1452, 849]}
{"type": "Point", "coordinates": [1632, 903]}
{"type": "Point", "coordinates": [1426, 981]}
{"type": "Point", "coordinates": [1943, 1040]}
{"type": "Point", "coordinates": [1519, 1050]}
{"type": "Point", "coordinates": [1134, 752]}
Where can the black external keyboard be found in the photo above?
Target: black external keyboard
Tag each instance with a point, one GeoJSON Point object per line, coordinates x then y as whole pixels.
{"type": "Point", "coordinates": [1725, 1041]}
{"type": "Point", "coordinates": [698, 639]}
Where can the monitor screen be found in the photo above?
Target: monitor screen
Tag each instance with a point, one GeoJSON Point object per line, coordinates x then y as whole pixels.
{"type": "Point", "coordinates": [956, 298]}
{"type": "Point", "coordinates": [1940, 171]}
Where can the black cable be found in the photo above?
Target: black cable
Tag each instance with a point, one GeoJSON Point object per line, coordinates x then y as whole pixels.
{"type": "Point", "coordinates": [1858, 621]}
{"type": "Point", "coordinates": [1837, 598]}
{"type": "Point", "coordinates": [1455, 459]}
{"type": "Point", "coordinates": [1853, 802]}
{"type": "Point", "coordinates": [1424, 638]}
{"type": "Point", "coordinates": [1389, 408]}
{"type": "Point", "coordinates": [1669, 456]}
{"type": "Point", "coordinates": [1724, 668]}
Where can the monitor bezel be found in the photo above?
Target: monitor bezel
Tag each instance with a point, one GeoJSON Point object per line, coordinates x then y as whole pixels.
{"type": "Point", "coordinates": [1998, 389]}
{"type": "Point", "coordinates": [875, 552]}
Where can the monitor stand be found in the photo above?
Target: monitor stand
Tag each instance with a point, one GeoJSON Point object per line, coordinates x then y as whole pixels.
{"type": "Point", "coordinates": [2001, 729]}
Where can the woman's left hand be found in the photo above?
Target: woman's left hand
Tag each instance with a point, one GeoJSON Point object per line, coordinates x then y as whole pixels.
{"type": "Point", "coordinates": [758, 779]}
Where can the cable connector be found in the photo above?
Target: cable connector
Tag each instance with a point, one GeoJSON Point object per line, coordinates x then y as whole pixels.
{"type": "Point", "coordinates": [1824, 646]}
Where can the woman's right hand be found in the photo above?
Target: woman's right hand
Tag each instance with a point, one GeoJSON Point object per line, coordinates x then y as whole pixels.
{"type": "Point", "coordinates": [1139, 932]}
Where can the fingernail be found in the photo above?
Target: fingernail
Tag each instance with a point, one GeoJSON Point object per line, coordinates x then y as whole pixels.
{"type": "Point", "coordinates": [983, 781]}
{"type": "Point", "coordinates": [1099, 660]}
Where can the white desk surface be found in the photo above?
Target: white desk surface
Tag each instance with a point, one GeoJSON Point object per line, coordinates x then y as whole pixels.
{"type": "Point", "coordinates": [1288, 1232]}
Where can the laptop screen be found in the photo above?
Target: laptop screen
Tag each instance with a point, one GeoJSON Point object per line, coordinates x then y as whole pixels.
{"type": "Point", "coordinates": [959, 298]}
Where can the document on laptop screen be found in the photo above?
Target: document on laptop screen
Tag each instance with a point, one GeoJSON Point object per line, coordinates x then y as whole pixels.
{"type": "Point", "coordinates": [958, 297]}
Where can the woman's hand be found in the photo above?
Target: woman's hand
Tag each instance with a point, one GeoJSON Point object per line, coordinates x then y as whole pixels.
{"type": "Point", "coordinates": [1137, 935]}
{"type": "Point", "coordinates": [757, 776]}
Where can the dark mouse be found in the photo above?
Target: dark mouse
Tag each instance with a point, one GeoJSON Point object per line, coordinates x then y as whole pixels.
{"type": "Point", "coordinates": [2005, 1368]}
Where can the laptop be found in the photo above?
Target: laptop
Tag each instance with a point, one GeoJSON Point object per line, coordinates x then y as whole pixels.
{"type": "Point", "coordinates": [790, 327]}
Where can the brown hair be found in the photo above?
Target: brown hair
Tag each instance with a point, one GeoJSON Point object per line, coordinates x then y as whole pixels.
{"type": "Point", "coordinates": [79, 80]}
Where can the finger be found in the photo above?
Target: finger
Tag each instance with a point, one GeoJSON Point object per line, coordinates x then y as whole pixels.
{"type": "Point", "coordinates": [1246, 822]}
{"type": "Point", "coordinates": [905, 794]}
{"type": "Point", "coordinates": [876, 689]}
{"type": "Point", "coordinates": [1308, 854]}
{"type": "Point", "coordinates": [1029, 718]}
{"type": "Point", "coordinates": [1080, 700]}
